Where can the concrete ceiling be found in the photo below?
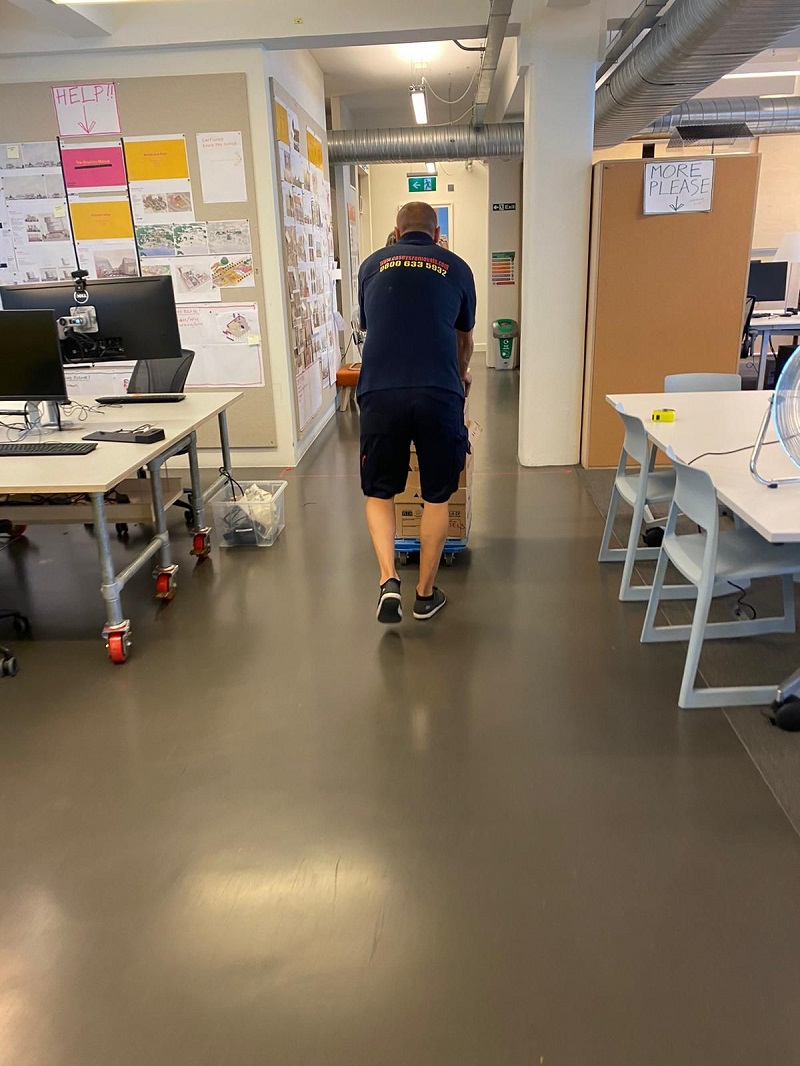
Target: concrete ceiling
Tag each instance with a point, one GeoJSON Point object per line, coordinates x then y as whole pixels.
{"type": "Point", "coordinates": [372, 81]}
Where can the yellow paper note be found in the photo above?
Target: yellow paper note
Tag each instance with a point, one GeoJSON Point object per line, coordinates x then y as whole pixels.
{"type": "Point", "coordinates": [151, 160]}
{"type": "Point", "coordinates": [12, 151]}
{"type": "Point", "coordinates": [59, 210]}
{"type": "Point", "coordinates": [100, 220]}
{"type": "Point", "coordinates": [314, 149]}
{"type": "Point", "coordinates": [281, 123]}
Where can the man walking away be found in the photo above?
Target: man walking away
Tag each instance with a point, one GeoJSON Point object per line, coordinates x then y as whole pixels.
{"type": "Point", "coordinates": [417, 304]}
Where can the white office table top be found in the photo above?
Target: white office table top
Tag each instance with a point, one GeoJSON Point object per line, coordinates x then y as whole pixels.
{"type": "Point", "coordinates": [720, 422]}
{"type": "Point", "coordinates": [110, 462]}
{"type": "Point", "coordinates": [776, 322]}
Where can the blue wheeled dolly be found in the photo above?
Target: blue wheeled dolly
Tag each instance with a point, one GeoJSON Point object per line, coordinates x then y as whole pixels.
{"type": "Point", "coordinates": [404, 547]}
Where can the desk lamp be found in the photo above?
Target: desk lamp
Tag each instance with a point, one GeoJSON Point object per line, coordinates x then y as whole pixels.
{"type": "Point", "coordinates": [789, 252]}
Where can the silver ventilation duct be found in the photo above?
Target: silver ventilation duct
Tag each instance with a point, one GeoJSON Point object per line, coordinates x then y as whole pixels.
{"type": "Point", "coordinates": [761, 116]}
{"type": "Point", "coordinates": [693, 45]}
{"type": "Point", "coordinates": [421, 144]}
{"type": "Point", "coordinates": [499, 12]}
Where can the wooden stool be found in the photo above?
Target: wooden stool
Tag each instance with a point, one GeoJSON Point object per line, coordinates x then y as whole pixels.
{"type": "Point", "coordinates": [347, 381]}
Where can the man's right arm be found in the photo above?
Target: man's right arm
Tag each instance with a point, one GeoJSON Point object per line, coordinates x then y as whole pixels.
{"type": "Point", "coordinates": [466, 344]}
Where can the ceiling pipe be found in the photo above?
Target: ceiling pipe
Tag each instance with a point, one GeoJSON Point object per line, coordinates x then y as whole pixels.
{"type": "Point", "coordinates": [761, 116]}
{"type": "Point", "coordinates": [643, 18]}
{"type": "Point", "coordinates": [694, 44]}
{"type": "Point", "coordinates": [421, 144]}
{"type": "Point", "coordinates": [499, 13]}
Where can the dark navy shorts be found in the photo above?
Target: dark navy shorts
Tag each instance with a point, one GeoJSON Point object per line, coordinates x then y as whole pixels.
{"type": "Point", "coordinates": [434, 420]}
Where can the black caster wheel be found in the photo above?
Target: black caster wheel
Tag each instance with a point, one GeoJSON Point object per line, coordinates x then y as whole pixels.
{"type": "Point", "coordinates": [449, 560]}
{"type": "Point", "coordinates": [402, 558]}
{"type": "Point", "coordinates": [122, 531]}
{"type": "Point", "coordinates": [9, 666]}
{"type": "Point", "coordinates": [786, 715]}
{"type": "Point", "coordinates": [654, 537]}
{"type": "Point", "coordinates": [22, 627]}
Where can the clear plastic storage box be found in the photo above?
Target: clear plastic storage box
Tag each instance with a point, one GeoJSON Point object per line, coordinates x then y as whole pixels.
{"type": "Point", "coordinates": [239, 522]}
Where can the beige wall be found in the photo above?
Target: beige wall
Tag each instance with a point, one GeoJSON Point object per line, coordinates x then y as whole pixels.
{"type": "Point", "coordinates": [470, 200]}
{"type": "Point", "coordinates": [505, 234]}
{"type": "Point", "coordinates": [778, 204]}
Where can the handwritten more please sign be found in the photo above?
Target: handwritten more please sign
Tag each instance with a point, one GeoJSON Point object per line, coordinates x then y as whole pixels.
{"type": "Point", "coordinates": [678, 187]}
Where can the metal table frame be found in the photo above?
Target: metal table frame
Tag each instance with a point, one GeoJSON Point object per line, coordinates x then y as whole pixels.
{"type": "Point", "coordinates": [117, 630]}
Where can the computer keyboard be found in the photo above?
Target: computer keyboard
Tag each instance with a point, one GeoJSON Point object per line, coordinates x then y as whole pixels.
{"type": "Point", "coordinates": [71, 448]}
{"type": "Point", "coordinates": [142, 397]}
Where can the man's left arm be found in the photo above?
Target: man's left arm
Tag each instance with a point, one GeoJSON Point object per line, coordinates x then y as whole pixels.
{"type": "Point", "coordinates": [465, 328]}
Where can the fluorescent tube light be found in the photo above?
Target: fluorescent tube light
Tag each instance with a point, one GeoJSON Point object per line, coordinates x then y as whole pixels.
{"type": "Point", "coordinates": [431, 168]}
{"type": "Point", "coordinates": [419, 103]}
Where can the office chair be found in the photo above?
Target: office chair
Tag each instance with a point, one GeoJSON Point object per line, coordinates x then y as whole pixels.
{"type": "Point", "coordinates": [706, 558]}
{"type": "Point", "coordinates": [161, 375]}
{"type": "Point", "coordinates": [8, 662]}
{"type": "Point", "coordinates": [747, 337]}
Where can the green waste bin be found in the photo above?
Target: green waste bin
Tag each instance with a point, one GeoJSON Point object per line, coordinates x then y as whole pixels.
{"type": "Point", "coordinates": [505, 332]}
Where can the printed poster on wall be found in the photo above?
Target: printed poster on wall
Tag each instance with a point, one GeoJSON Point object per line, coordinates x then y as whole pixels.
{"type": "Point", "coordinates": [35, 233]}
{"type": "Point", "coordinates": [222, 176]}
{"type": "Point", "coordinates": [94, 167]}
{"type": "Point", "coordinates": [158, 176]}
{"type": "Point", "coordinates": [309, 259]}
{"type": "Point", "coordinates": [226, 341]}
{"type": "Point", "coordinates": [104, 235]}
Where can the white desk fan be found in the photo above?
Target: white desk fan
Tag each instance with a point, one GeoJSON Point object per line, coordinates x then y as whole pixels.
{"type": "Point", "coordinates": [784, 410]}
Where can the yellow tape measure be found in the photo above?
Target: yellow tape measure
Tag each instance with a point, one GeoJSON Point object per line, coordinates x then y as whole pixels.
{"type": "Point", "coordinates": [663, 414]}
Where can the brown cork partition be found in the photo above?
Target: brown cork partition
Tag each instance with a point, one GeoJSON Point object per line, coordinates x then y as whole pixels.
{"type": "Point", "coordinates": [666, 292]}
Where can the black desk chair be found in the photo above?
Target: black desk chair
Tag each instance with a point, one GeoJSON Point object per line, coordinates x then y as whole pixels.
{"type": "Point", "coordinates": [161, 375]}
{"type": "Point", "coordinates": [8, 661]}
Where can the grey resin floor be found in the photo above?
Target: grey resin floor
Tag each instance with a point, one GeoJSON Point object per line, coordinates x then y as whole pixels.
{"type": "Point", "coordinates": [284, 836]}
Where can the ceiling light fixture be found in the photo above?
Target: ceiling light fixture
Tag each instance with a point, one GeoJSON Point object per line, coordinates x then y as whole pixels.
{"type": "Point", "coordinates": [420, 104]}
{"type": "Point", "coordinates": [431, 168]}
{"type": "Point", "coordinates": [764, 74]}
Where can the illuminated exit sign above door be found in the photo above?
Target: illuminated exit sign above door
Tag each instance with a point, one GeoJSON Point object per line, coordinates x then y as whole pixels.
{"type": "Point", "coordinates": [422, 184]}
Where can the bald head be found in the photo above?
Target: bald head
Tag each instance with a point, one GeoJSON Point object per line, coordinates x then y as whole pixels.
{"type": "Point", "coordinates": [417, 217]}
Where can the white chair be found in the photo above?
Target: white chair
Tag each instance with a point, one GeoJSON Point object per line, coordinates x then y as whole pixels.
{"type": "Point", "coordinates": [638, 488]}
{"type": "Point", "coordinates": [711, 556]}
{"type": "Point", "coordinates": [702, 383]}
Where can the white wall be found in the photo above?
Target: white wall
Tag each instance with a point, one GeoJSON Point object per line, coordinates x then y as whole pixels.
{"type": "Point", "coordinates": [778, 203]}
{"type": "Point", "coordinates": [505, 234]}
{"type": "Point", "coordinates": [470, 198]}
{"type": "Point", "coordinates": [300, 75]}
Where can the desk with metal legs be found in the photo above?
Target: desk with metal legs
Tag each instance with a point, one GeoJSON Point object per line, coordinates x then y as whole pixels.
{"type": "Point", "coordinates": [100, 471]}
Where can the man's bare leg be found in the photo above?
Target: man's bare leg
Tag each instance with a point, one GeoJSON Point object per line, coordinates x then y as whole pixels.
{"type": "Point", "coordinates": [381, 523]}
{"type": "Point", "coordinates": [433, 534]}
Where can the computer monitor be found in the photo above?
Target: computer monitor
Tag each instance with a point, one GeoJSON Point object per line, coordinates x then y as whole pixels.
{"type": "Point", "coordinates": [30, 357]}
{"type": "Point", "coordinates": [767, 281]}
{"type": "Point", "coordinates": [136, 317]}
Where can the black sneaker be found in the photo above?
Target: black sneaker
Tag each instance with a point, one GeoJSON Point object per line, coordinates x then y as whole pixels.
{"type": "Point", "coordinates": [428, 606]}
{"type": "Point", "coordinates": [390, 606]}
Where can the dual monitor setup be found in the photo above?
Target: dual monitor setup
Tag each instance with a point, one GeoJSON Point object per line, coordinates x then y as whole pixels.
{"type": "Point", "coordinates": [45, 327]}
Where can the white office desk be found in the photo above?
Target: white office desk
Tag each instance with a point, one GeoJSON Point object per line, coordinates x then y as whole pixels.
{"type": "Point", "coordinates": [765, 328]}
{"type": "Point", "coordinates": [720, 422]}
{"type": "Point", "coordinates": [110, 463]}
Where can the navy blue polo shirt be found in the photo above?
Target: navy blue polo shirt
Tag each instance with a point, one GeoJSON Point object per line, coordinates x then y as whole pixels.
{"type": "Point", "coordinates": [413, 296]}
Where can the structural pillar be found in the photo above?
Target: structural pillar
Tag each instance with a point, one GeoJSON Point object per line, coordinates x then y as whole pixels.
{"type": "Point", "coordinates": [560, 50]}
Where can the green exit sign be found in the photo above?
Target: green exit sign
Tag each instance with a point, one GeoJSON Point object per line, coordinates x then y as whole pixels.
{"type": "Point", "coordinates": [423, 184]}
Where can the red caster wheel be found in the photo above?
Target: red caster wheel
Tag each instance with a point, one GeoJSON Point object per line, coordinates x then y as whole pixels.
{"type": "Point", "coordinates": [117, 648]}
{"type": "Point", "coordinates": [165, 583]}
{"type": "Point", "coordinates": [201, 544]}
{"type": "Point", "coordinates": [18, 531]}
{"type": "Point", "coordinates": [118, 642]}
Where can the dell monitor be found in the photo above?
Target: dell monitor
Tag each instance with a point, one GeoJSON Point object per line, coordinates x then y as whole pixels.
{"type": "Point", "coordinates": [30, 358]}
{"type": "Point", "coordinates": [118, 318]}
{"type": "Point", "coordinates": [767, 281]}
